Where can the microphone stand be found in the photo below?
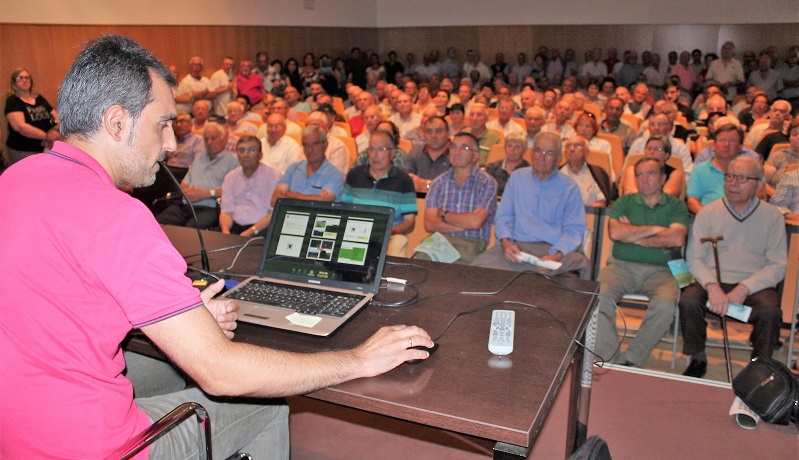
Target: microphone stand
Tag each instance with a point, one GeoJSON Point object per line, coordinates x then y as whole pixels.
{"type": "Point", "coordinates": [206, 266]}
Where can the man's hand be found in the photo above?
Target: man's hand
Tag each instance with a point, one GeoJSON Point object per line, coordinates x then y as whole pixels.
{"type": "Point", "coordinates": [738, 294]}
{"type": "Point", "coordinates": [196, 194]}
{"type": "Point", "coordinates": [511, 251]}
{"type": "Point", "coordinates": [225, 312]}
{"type": "Point", "coordinates": [389, 347]}
{"type": "Point", "coordinates": [421, 185]}
{"type": "Point", "coordinates": [717, 298]}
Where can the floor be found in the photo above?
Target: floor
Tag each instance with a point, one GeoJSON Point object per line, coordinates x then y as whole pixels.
{"type": "Point", "coordinates": [322, 431]}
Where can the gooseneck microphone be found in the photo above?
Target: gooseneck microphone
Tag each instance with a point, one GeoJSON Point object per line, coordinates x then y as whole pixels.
{"type": "Point", "coordinates": [203, 253]}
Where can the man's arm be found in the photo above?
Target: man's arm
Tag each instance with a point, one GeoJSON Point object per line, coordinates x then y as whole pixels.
{"type": "Point", "coordinates": [196, 343]}
{"type": "Point", "coordinates": [694, 205]}
{"type": "Point", "coordinates": [456, 221]}
{"type": "Point", "coordinates": [225, 222]}
{"type": "Point", "coordinates": [261, 225]}
{"type": "Point", "coordinates": [405, 226]}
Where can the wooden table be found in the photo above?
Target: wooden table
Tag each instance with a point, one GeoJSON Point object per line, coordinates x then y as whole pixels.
{"type": "Point", "coordinates": [462, 387]}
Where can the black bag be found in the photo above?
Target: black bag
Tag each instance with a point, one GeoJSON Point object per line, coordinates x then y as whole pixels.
{"type": "Point", "coordinates": [770, 389]}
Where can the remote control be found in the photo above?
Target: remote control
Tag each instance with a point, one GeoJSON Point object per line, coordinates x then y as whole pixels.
{"type": "Point", "coordinates": [500, 339]}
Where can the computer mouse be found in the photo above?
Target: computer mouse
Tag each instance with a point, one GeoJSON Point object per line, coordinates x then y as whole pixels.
{"type": "Point", "coordinates": [422, 347]}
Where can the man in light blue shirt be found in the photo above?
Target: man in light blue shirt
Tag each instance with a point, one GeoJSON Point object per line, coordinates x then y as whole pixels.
{"type": "Point", "coordinates": [541, 213]}
{"type": "Point", "coordinates": [314, 178]}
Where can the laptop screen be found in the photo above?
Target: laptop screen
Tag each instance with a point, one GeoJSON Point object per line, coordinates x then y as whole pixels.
{"type": "Point", "coordinates": [329, 244]}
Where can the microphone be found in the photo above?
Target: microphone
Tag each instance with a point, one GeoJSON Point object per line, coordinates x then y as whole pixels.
{"type": "Point", "coordinates": [203, 253]}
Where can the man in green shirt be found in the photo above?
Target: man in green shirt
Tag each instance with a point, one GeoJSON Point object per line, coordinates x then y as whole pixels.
{"type": "Point", "coordinates": [643, 227]}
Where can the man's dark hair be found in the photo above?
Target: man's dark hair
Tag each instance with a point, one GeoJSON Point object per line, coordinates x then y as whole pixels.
{"type": "Point", "coordinates": [731, 127]}
{"type": "Point", "coordinates": [661, 165]}
{"type": "Point", "coordinates": [664, 141]}
{"type": "Point", "coordinates": [388, 134]}
{"type": "Point", "coordinates": [110, 70]}
{"type": "Point", "coordinates": [439, 118]}
{"type": "Point", "coordinates": [469, 135]}
{"type": "Point", "coordinates": [248, 138]}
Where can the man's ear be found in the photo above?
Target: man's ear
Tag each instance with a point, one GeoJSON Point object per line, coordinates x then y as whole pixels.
{"type": "Point", "coordinates": [115, 121]}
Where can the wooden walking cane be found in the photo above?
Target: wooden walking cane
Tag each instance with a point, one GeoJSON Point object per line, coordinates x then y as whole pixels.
{"type": "Point", "coordinates": [714, 242]}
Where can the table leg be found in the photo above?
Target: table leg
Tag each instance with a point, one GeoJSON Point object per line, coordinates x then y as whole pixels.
{"type": "Point", "coordinates": [504, 451]}
{"type": "Point", "coordinates": [580, 398]}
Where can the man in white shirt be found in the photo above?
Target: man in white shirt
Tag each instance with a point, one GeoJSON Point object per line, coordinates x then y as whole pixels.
{"type": "Point", "coordinates": [223, 84]}
{"type": "Point", "coordinates": [405, 119]}
{"type": "Point", "coordinates": [194, 85]}
{"type": "Point", "coordinates": [279, 150]}
{"type": "Point", "coordinates": [727, 70]}
{"type": "Point", "coordinates": [562, 112]}
{"type": "Point", "coordinates": [337, 153]}
{"type": "Point", "coordinates": [371, 118]}
{"type": "Point", "coordinates": [505, 110]}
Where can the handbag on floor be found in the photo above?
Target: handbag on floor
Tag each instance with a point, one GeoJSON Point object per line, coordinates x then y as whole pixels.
{"type": "Point", "coordinates": [770, 389]}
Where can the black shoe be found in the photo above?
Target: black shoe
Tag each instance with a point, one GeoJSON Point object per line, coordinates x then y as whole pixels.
{"type": "Point", "coordinates": [696, 369]}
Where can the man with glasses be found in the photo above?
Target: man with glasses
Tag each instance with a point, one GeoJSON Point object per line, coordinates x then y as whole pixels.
{"type": "Point", "coordinates": [751, 259]}
{"type": "Point", "coordinates": [189, 145]}
{"type": "Point", "coordinates": [541, 213]}
{"type": "Point", "coordinates": [461, 203]}
{"type": "Point", "coordinates": [643, 226]}
{"type": "Point", "coordinates": [372, 116]}
{"type": "Point", "coordinates": [706, 184]}
{"type": "Point", "coordinates": [595, 185]}
{"type": "Point", "coordinates": [381, 183]}
{"type": "Point", "coordinates": [313, 178]}
{"type": "Point", "coordinates": [203, 182]}
{"type": "Point", "coordinates": [661, 125]}
{"type": "Point", "coordinates": [246, 191]}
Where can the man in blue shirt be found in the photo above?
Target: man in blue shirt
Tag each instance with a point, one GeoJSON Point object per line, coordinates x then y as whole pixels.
{"type": "Point", "coordinates": [541, 213]}
{"type": "Point", "coordinates": [314, 178]}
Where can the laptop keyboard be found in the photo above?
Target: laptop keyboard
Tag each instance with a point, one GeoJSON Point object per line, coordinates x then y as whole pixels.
{"type": "Point", "coordinates": [303, 300]}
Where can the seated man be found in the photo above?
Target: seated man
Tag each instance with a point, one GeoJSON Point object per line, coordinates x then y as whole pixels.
{"type": "Point", "coordinates": [381, 183]}
{"type": "Point", "coordinates": [371, 117]}
{"type": "Point", "coordinates": [314, 178]}
{"type": "Point", "coordinates": [613, 124]}
{"type": "Point", "coordinates": [478, 117]}
{"type": "Point", "coordinates": [405, 118]}
{"type": "Point", "coordinates": [337, 153]}
{"type": "Point", "coordinates": [786, 197]}
{"type": "Point", "coordinates": [707, 181]}
{"type": "Point", "coordinates": [236, 122]}
{"type": "Point", "coordinates": [541, 213]}
{"type": "Point", "coordinates": [461, 202]}
{"type": "Point", "coordinates": [203, 183]}
{"type": "Point", "coordinates": [661, 125]}
{"type": "Point", "coordinates": [247, 191]}
{"type": "Point", "coordinates": [642, 226]}
{"type": "Point", "coordinates": [432, 159]}
{"type": "Point", "coordinates": [506, 108]}
{"type": "Point", "coordinates": [189, 145]}
{"type": "Point", "coordinates": [416, 135]}
{"type": "Point", "coordinates": [595, 185]}
{"type": "Point", "coordinates": [657, 147]}
{"type": "Point", "coordinates": [96, 275]}
{"type": "Point", "coordinates": [779, 112]}
{"type": "Point", "coordinates": [534, 119]}
{"type": "Point", "coordinates": [751, 259]}
{"type": "Point", "coordinates": [279, 150]}
{"type": "Point", "coordinates": [710, 151]}
{"type": "Point", "coordinates": [562, 113]}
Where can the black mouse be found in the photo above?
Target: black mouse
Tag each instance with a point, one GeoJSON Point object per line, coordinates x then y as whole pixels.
{"type": "Point", "coordinates": [422, 347]}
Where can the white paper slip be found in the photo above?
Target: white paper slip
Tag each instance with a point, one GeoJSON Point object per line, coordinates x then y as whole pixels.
{"type": "Point", "coordinates": [303, 320]}
{"type": "Point", "coordinates": [736, 311]}
{"type": "Point", "coordinates": [531, 259]}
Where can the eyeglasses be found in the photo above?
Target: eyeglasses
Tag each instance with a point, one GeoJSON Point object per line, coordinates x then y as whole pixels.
{"type": "Point", "coordinates": [546, 153]}
{"type": "Point", "coordinates": [655, 149]}
{"type": "Point", "coordinates": [462, 148]}
{"type": "Point", "coordinates": [308, 145]}
{"type": "Point", "coordinates": [379, 149]}
{"type": "Point", "coordinates": [738, 179]}
{"type": "Point", "coordinates": [247, 150]}
{"type": "Point", "coordinates": [22, 77]}
{"type": "Point", "coordinates": [371, 117]}
{"type": "Point", "coordinates": [575, 145]}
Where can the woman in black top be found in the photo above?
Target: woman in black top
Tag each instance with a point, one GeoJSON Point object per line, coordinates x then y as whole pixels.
{"type": "Point", "coordinates": [29, 117]}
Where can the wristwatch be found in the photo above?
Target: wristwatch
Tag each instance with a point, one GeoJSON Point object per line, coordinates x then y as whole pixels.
{"type": "Point", "coordinates": [255, 230]}
{"type": "Point", "coordinates": [213, 193]}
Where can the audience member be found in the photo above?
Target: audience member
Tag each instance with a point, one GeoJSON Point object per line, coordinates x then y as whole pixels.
{"type": "Point", "coordinates": [596, 187]}
{"type": "Point", "coordinates": [314, 178]}
{"type": "Point", "coordinates": [515, 149]}
{"type": "Point", "coordinates": [279, 150]}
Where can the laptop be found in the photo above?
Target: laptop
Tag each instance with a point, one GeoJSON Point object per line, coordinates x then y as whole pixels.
{"type": "Point", "coordinates": [329, 254]}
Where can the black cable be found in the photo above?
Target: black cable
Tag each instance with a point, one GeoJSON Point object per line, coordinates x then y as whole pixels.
{"type": "Point", "coordinates": [407, 264]}
{"type": "Point", "coordinates": [401, 303]}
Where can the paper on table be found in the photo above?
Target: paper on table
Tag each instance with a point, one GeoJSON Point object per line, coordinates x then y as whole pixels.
{"type": "Point", "coordinates": [438, 248]}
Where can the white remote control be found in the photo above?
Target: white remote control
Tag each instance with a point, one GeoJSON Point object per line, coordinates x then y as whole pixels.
{"type": "Point", "coordinates": [500, 339]}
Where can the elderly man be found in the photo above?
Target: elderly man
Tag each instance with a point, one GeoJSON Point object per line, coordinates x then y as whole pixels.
{"type": "Point", "coordinates": [381, 183]}
{"type": "Point", "coordinates": [432, 159]}
{"type": "Point", "coordinates": [336, 152]}
{"type": "Point", "coordinates": [314, 178]}
{"type": "Point", "coordinates": [405, 119]}
{"type": "Point", "coordinates": [223, 85]}
{"type": "Point", "coordinates": [279, 150]}
{"type": "Point", "coordinates": [613, 124]}
{"type": "Point", "coordinates": [562, 113]}
{"type": "Point", "coordinates": [707, 181]}
{"type": "Point", "coordinates": [461, 203]}
{"type": "Point", "coordinates": [541, 213]}
{"type": "Point", "coordinates": [116, 271]}
{"type": "Point", "coordinates": [751, 259]}
{"type": "Point", "coordinates": [506, 108]}
{"type": "Point", "coordinates": [372, 116]}
{"type": "Point", "coordinates": [500, 170]}
{"type": "Point", "coordinates": [247, 190]}
{"type": "Point", "coordinates": [189, 145]}
{"type": "Point", "coordinates": [595, 185]}
{"type": "Point", "coordinates": [643, 227]}
{"type": "Point", "coordinates": [637, 105]}
{"type": "Point", "coordinates": [416, 135]}
{"type": "Point", "coordinates": [280, 106]}
{"type": "Point", "coordinates": [478, 117]}
{"type": "Point", "coordinates": [726, 70]}
{"type": "Point", "coordinates": [203, 183]}
{"type": "Point", "coordinates": [292, 97]}
{"type": "Point", "coordinates": [661, 125]}
{"type": "Point", "coordinates": [779, 112]}
{"type": "Point", "coordinates": [248, 83]}
{"type": "Point", "coordinates": [356, 121]}
{"type": "Point", "coordinates": [200, 111]}
{"type": "Point", "coordinates": [765, 78]}
{"type": "Point", "coordinates": [236, 122]}
{"type": "Point", "coordinates": [534, 120]}
{"type": "Point", "coordinates": [193, 87]}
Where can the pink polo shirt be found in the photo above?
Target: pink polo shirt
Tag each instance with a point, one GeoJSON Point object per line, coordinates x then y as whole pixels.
{"type": "Point", "coordinates": [81, 264]}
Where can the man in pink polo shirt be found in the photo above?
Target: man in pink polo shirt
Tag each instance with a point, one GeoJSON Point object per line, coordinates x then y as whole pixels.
{"type": "Point", "coordinates": [84, 263]}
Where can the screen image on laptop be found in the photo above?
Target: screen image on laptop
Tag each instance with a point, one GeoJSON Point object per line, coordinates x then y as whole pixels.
{"type": "Point", "coordinates": [332, 244]}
